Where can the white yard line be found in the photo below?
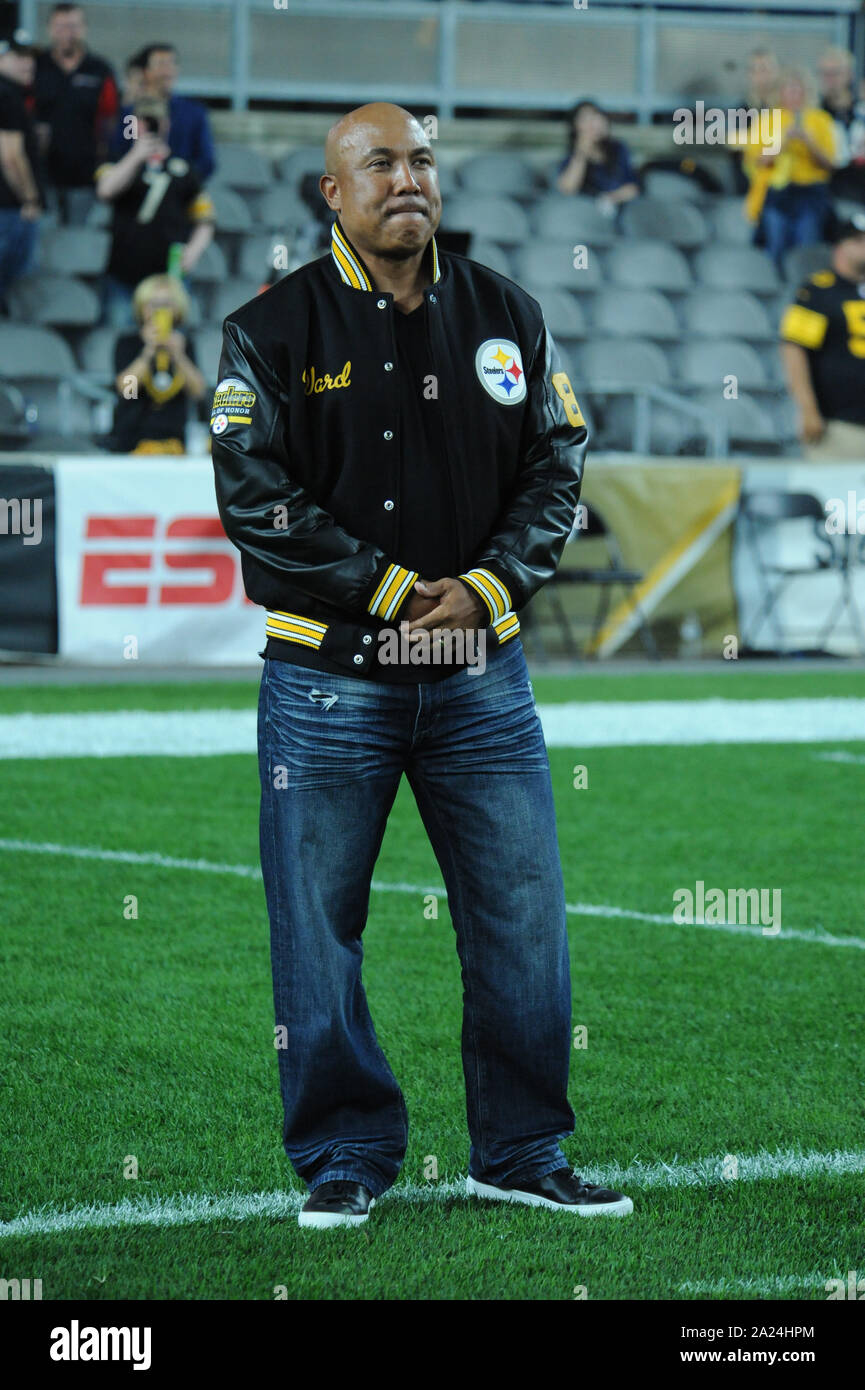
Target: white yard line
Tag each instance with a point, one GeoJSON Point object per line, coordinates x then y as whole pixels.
{"type": "Point", "coordinates": [186, 1209]}
{"type": "Point", "coordinates": [765, 1286]}
{"type": "Point", "coordinates": [578, 725]}
{"type": "Point", "coordinates": [602, 910]}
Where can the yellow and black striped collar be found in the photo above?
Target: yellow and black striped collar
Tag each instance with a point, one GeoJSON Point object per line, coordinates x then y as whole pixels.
{"type": "Point", "coordinates": [351, 267]}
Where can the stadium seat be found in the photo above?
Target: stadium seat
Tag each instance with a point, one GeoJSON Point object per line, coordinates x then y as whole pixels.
{"type": "Point", "coordinates": [36, 353]}
{"type": "Point", "coordinates": [748, 422]}
{"type": "Point", "coordinates": [736, 268]}
{"type": "Point", "coordinates": [670, 431]}
{"type": "Point", "coordinates": [608, 363]}
{"type": "Point", "coordinates": [738, 314]}
{"type": "Point", "coordinates": [53, 300]}
{"type": "Point", "coordinates": [257, 257]}
{"type": "Point", "coordinates": [729, 224]}
{"type": "Point", "coordinates": [208, 347]}
{"type": "Point", "coordinates": [96, 352]}
{"type": "Point", "coordinates": [232, 210]}
{"type": "Point", "coordinates": [494, 219]}
{"type": "Point", "coordinates": [709, 362]}
{"type": "Point", "coordinates": [577, 220]}
{"type": "Point", "coordinates": [551, 264]}
{"type": "Point", "coordinates": [669, 186]}
{"type": "Point", "coordinates": [563, 312]}
{"type": "Point", "coordinates": [488, 253]}
{"type": "Point", "coordinates": [282, 209]}
{"type": "Point", "coordinates": [306, 159]}
{"type": "Point", "coordinates": [211, 267]}
{"type": "Point", "coordinates": [241, 166]}
{"type": "Point", "coordinates": [74, 250]}
{"type": "Point", "coordinates": [500, 173]}
{"type": "Point", "coordinates": [636, 314]}
{"type": "Point", "coordinates": [230, 296]}
{"type": "Point", "coordinates": [804, 261]}
{"type": "Point", "coordinates": [677, 222]}
{"type": "Point", "coordinates": [648, 264]}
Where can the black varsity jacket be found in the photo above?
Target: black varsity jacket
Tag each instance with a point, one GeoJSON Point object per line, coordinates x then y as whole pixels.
{"type": "Point", "coordinates": [307, 462]}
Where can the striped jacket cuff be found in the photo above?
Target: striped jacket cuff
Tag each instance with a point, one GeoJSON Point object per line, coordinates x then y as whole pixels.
{"type": "Point", "coordinates": [491, 590]}
{"type": "Point", "coordinates": [394, 586]}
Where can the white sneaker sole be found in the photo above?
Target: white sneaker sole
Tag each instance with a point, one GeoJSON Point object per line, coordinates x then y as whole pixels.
{"type": "Point", "coordinates": [531, 1199]}
{"type": "Point", "coordinates": [325, 1219]}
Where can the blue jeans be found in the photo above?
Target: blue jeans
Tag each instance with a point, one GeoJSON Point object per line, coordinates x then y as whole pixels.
{"type": "Point", "coordinates": [794, 216]}
{"type": "Point", "coordinates": [473, 751]}
{"type": "Point", "coordinates": [18, 239]}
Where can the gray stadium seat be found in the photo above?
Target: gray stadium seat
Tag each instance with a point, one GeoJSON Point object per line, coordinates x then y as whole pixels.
{"type": "Point", "coordinates": [487, 253]}
{"type": "Point", "coordinates": [500, 173]}
{"type": "Point", "coordinates": [747, 420]}
{"type": "Point", "coordinates": [208, 347]}
{"type": "Point", "coordinates": [230, 296]}
{"type": "Point", "coordinates": [667, 185]}
{"type": "Point", "coordinates": [28, 352]}
{"type": "Point", "coordinates": [96, 351]}
{"type": "Point", "coordinates": [679, 222]}
{"type": "Point", "coordinates": [551, 263]}
{"type": "Point", "coordinates": [736, 268]}
{"type": "Point", "coordinates": [74, 250]}
{"type": "Point", "coordinates": [804, 261]}
{"type": "Point", "coordinates": [281, 208]}
{"type": "Point", "coordinates": [608, 362]}
{"type": "Point", "coordinates": [53, 299]}
{"type": "Point", "coordinates": [494, 219]}
{"type": "Point", "coordinates": [736, 314]}
{"type": "Point", "coordinates": [241, 166]}
{"type": "Point", "coordinates": [211, 267]}
{"type": "Point", "coordinates": [257, 257]}
{"type": "Point", "coordinates": [563, 312]}
{"type": "Point", "coordinates": [637, 314]}
{"type": "Point", "coordinates": [670, 432]}
{"type": "Point", "coordinates": [648, 264]}
{"type": "Point", "coordinates": [729, 223]}
{"type": "Point", "coordinates": [307, 159]}
{"type": "Point", "coordinates": [448, 180]}
{"type": "Point", "coordinates": [232, 209]}
{"type": "Point", "coordinates": [576, 220]}
{"type": "Point", "coordinates": [707, 363]}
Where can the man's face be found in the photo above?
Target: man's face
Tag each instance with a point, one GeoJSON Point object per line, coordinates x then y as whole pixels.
{"type": "Point", "coordinates": [833, 75]}
{"type": "Point", "coordinates": [161, 72]}
{"type": "Point", "coordinates": [386, 188]}
{"type": "Point", "coordinates": [20, 67]}
{"type": "Point", "coordinates": [67, 30]}
{"type": "Point", "coordinates": [762, 72]}
{"type": "Point", "coordinates": [852, 252]}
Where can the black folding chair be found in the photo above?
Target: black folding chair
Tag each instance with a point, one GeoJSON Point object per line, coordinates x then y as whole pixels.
{"type": "Point", "coordinates": [605, 578]}
{"type": "Point", "coordinates": [767, 508]}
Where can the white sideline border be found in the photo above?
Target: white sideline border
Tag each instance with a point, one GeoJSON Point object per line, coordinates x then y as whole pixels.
{"type": "Point", "coordinates": [601, 910]}
{"type": "Point", "coordinates": [186, 1209]}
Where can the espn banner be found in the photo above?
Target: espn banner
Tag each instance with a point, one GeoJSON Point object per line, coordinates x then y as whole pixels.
{"type": "Point", "coordinates": [144, 569]}
{"type": "Point", "coordinates": [145, 572]}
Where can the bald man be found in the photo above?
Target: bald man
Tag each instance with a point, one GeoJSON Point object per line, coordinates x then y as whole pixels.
{"type": "Point", "coordinates": [398, 455]}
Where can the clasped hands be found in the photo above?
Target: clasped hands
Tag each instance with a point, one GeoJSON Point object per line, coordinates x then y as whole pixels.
{"type": "Point", "coordinates": [444, 603]}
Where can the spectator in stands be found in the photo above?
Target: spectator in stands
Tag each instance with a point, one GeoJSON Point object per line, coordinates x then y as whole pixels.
{"type": "Point", "coordinates": [597, 165]}
{"type": "Point", "coordinates": [22, 197]}
{"type": "Point", "coordinates": [156, 374]}
{"type": "Point", "coordinates": [761, 95]}
{"type": "Point", "coordinates": [823, 351]}
{"type": "Point", "coordinates": [133, 80]}
{"type": "Point", "coordinates": [836, 69]}
{"type": "Point", "coordinates": [76, 104]}
{"type": "Point", "coordinates": [188, 124]}
{"type": "Point", "coordinates": [790, 188]}
{"type": "Point", "coordinates": [158, 204]}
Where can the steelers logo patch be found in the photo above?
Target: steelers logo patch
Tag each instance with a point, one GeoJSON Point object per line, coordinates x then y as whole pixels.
{"type": "Point", "coordinates": [233, 403]}
{"type": "Point", "coordinates": [220, 422]}
{"type": "Point", "coordinates": [499, 367]}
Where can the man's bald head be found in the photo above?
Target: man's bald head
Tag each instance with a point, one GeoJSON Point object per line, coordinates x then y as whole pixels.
{"type": "Point", "coordinates": [382, 180]}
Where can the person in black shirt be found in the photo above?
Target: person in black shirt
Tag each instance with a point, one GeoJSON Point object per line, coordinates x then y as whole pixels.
{"type": "Point", "coordinates": [76, 103]}
{"type": "Point", "coordinates": [823, 350]}
{"type": "Point", "coordinates": [156, 374]}
{"type": "Point", "coordinates": [158, 203]}
{"type": "Point", "coordinates": [21, 192]}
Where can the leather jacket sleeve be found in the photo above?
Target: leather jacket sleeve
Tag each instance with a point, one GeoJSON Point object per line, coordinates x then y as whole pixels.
{"type": "Point", "coordinates": [267, 514]}
{"type": "Point", "coordinates": [526, 545]}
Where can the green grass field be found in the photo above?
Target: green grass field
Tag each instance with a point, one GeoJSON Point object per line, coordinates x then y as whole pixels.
{"type": "Point", "coordinates": [152, 1038]}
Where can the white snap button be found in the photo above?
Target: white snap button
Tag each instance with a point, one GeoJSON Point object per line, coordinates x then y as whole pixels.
{"type": "Point", "coordinates": [358, 659]}
{"type": "Point", "coordinates": [388, 506]}
{"type": "Point", "coordinates": [382, 304]}
{"type": "Point", "coordinates": [388, 434]}
{"type": "Point", "coordinates": [388, 366]}
{"type": "Point", "coordinates": [432, 299]}
{"type": "Point", "coordinates": [366, 639]}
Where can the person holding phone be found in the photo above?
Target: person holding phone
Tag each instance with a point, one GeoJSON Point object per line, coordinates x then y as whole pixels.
{"type": "Point", "coordinates": [156, 374]}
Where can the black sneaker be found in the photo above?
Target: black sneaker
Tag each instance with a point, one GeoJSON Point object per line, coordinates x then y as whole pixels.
{"type": "Point", "coordinates": [560, 1191]}
{"type": "Point", "coordinates": [337, 1203]}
